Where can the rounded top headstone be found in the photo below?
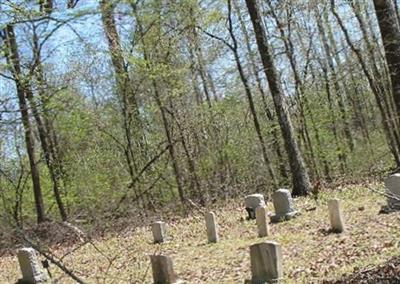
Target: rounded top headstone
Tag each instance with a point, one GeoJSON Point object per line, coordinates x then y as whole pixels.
{"type": "Point", "coordinates": [282, 200]}
{"type": "Point", "coordinates": [254, 200]}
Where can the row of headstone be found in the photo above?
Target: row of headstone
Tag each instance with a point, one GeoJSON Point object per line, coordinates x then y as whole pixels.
{"type": "Point", "coordinates": [266, 257]}
{"type": "Point", "coordinates": [265, 262]}
{"type": "Point", "coordinates": [256, 209]}
{"type": "Point", "coordinates": [159, 229]}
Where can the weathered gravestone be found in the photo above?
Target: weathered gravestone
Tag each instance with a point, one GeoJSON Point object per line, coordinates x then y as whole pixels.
{"type": "Point", "coordinates": [392, 184]}
{"type": "Point", "coordinates": [335, 216]}
{"type": "Point", "coordinates": [31, 268]}
{"type": "Point", "coordinates": [212, 227]}
{"type": "Point", "coordinates": [266, 263]}
{"type": "Point", "coordinates": [262, 221]}
{"type": "Point", "coordinates": [283, 204]}
{"type": "Point", "coordinates": [163, 271]}
{"type": "Point", "coordinates": [159, 232]}
{"type": "Point", "coordinates": [253, 201]}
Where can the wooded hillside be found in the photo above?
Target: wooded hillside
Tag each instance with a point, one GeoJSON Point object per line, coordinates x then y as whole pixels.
{"type": "Point", "coordinates": [118, 108]}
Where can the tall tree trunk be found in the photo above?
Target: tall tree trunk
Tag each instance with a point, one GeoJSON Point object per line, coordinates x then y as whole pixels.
{"type": "Point", "coordinates": [194, 179]}
{"type": "Point", "coordinates": [21, 85]}
{"type": "Point", "coordinates": [330, 54]}
{"type": "Point", "coordinates": [299, 87]}
{"type": "Point", "coordinates": [124, 83]}
{"type": "Point", "coordinates": [301, 182]}
{"type": "Point", "coordinates": [390, 32]}
{"type": "Point", "coordinates": [391, 135]}
{"type": "Point", "coordinates": [198, 52]}
{"type": "Point", "coordinates": [249, 95]}
{"type": "Point", "coordinates": [44, 132]}
{"type": "Point", "coordinates": [268, 113]}
{"type": "Point", "coordinates": [132, 124]}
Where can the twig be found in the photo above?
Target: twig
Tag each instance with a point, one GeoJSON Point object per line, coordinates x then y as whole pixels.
{"type": "Point", "coordinates": [386, 194]}
{"type": "Point", "coordinates": [49, 256]}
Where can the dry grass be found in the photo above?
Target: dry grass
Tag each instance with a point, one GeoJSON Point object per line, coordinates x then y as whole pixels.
{"type": "Point", "coordinates": [310, 253]}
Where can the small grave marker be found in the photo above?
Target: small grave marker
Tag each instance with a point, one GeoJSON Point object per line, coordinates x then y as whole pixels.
{"type": "Point", "coordinates": [335, 216]}
{"type": "Point", "coordinates": [212, 227]}
{"type": "Point", "coordinates": [159, 232]}
{"type": "Point", "coordinates": [31, 268]}
{"type": "Point", "coordinates": [262, 221]}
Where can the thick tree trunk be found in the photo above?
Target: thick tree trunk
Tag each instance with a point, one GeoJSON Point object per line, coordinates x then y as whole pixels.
{"type": "Point", "coordinates": [390, 33]}
{"type": "Point", "coordinates": [391, 134]}
{"type": "Point", "coordinates": [301, 182]}
{"type": "Point", "coordinates": [299, 87]}
{"type": "Point", "coordinates": [267, 111]}
{"type": "Point", "coordinates": [250, 100]}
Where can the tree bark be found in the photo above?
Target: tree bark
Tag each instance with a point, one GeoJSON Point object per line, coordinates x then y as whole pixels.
{"type": "Point", "coordinates": [21, 85]}
{"type": "Point", "coordinates": [268, 113]}
{"type": "Point", "coordinates": [249, 95]}
{"type": "Point", "coordinates": [131, 122]}
{"type": "Point", "coordinates": [391, 135]}
{"type": "Point", "coordinates": [44, 132]}
{"type": "Point", "coordinates": [301, 182]}
{"type": "Point", "coordinates": [390, 33]}
{"type": "Point", "coordinates": [299, 86]}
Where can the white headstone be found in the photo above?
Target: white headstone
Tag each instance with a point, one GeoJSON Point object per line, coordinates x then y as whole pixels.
{"type": "Point", "coordinates": [212, 227]}
{"type": "Point", "coordinates": [31, 268]}
{"type": "Point", "coordinates": [266, 263]}
{"type": "Point", "coordinates": [283, 204]}
{"type": "Point", "coordinates": [159, 232]}
{"type": "Point", "coordinates": [253, 201]}
{"type": "Point", "coordinates": [163, 271]}
{"type": "Point", "coordinates": [392, 184]}
{"type": "Point", "coordinates": [335, 216]}
{"type": "Point", "coordinates": [262, 221]}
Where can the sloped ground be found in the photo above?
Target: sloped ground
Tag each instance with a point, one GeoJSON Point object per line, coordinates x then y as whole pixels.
{"type": "Point", "coordinates": [310, 253]}
{"type": "Point", "coordinates": [388, 272]}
